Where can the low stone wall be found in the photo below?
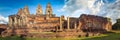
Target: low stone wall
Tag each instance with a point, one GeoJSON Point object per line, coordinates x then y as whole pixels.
{"type": "Point", "coordinates": [62, 34]}
{"type": "Point", "coordinates": [68, 33]}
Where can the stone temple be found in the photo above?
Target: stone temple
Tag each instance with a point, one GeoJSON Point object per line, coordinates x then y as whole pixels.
{"type": "Point", "coordinates": [39, 24]}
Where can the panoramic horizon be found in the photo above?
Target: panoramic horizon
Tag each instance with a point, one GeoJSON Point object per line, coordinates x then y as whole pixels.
{"type": "Point", "coordinates": [72, 8]}
{"type": "Point", "coordinates": [60, 20]}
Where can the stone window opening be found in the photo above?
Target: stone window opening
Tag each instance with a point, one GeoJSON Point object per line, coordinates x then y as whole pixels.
{"type": "Point", "coordinates": [13, 20]}
{"type": "Point", "coordinates": [48, 12]}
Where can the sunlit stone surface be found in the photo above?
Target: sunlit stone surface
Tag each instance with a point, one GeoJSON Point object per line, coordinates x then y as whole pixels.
{"type": "Point", "coordinates": [49, 25]}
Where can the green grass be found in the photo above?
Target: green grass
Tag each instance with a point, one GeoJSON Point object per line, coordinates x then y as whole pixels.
{"type": "Point", "coordinates": [110, 36]}
{"type": "Point", "coordinates": [115, 35]}
{"type": "Point", "coordinates": [42, 32]}
{"type": "Point", "coordinates": [11, 38]}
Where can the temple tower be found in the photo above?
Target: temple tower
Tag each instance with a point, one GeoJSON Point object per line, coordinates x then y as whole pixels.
{"type": "Point", "coordinates": [19, 11]}
{"type": "Point", "coordinates": [24, 17]}
{"type": "Point", "coordinates": [48, 10]}
{"type": "Point", "coordinates": [26, 11]}
{"type": "Point", "coordinates": [39, 10]}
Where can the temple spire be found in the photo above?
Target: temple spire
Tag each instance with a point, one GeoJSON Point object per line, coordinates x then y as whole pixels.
{"type": "Point", "coordinates": [19, 11]}
{"type": "Point", "coordinates": [38, 10]}
{"type": "Point", "coordinates": [26, 11]}
{"type": "Point", "coordinates": [48, 10]}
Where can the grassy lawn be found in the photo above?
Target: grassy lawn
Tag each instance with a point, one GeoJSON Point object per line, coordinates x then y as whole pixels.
{"type": "Point", "coordinates": [115, 35]}
{"type": "Point", "coordinates": [109, 36]}
{"type": "Point", "coordinates": [11, 38]}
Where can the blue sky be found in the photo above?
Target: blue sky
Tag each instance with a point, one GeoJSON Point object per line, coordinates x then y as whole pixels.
{"type": "Point", "coordinates": [72, 8]}
{"type": "Point", "coordinates": [9, 7]}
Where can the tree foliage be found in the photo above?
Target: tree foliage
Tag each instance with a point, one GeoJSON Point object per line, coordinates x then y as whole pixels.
{"type": "Point", "coordinates": [116, 26]}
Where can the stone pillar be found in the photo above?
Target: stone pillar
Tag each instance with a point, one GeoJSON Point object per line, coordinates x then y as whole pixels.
{"type": "Point", "coordinates": [56, 28]}
{"type": "Point", "coordinates": [61, 22]}
{"type": "Point", "coordinates": [79, 26]}
{"type": "Point", "coordinates": [75, 25]}
{"type": "Point", "coordinates": [15, 21]}
{"type": "Point", "coordinates": [10, 22]}
{"type": "Point", "coordinates": [23, 20]}
{"type": "Point", "coordinates": [26, 21]}
{"type": "Point", "coordinates": [19, 22]}
{"type": "Point", "coordinates": [68, 23]}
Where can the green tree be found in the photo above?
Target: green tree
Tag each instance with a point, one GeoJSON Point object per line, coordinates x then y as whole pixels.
{"type": "Point", "coordinates": [116, 26]}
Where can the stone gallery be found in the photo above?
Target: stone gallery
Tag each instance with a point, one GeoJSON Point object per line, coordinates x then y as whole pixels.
{"type": "Point", "coordinates": [49, 25]}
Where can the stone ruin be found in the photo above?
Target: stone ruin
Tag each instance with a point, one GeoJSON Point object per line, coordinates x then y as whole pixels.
{"type": "Point", "coordinates": [2, 28]}
{"type": "Point", "coordinates": [49, 25]}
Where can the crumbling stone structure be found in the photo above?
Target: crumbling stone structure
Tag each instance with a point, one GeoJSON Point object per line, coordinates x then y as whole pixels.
{"type": "Point", "coordinates": [24, 23]}
{"type": "Point", "coordinates": [94, 23]}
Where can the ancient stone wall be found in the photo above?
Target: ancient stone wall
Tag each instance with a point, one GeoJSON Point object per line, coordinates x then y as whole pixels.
{"type": "Point", "coordinates": [91, 23]}
{"type": "Point", "coordinates": [25, 23]}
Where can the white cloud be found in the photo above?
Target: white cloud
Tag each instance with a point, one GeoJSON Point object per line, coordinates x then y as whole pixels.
{"type": "Point", "coordinates": [78, 7]}
{"type": "Point", "coordinates": [75, 8]}
{"type": "Point", "coordinates": [111, 10]}
{"type": "Point", "coordinates": [3, 20]}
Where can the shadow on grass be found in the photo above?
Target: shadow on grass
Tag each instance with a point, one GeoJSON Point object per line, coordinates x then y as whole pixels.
{"type": "Point", "coordinates": [12, 38]}
{"type": "Point", "coordinates": [110, 36]}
